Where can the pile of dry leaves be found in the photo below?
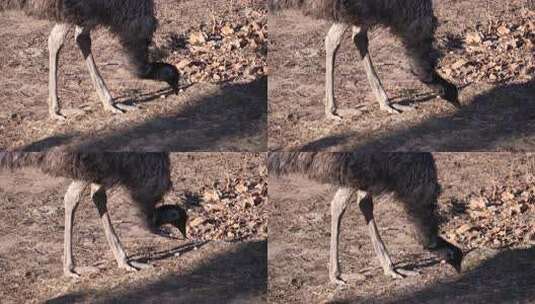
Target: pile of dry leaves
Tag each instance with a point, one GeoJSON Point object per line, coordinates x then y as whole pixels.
{"type": "Point", "coordinates": [499, 217]}
{"type": "Point", "coordinates": [498, 51]}
{"type": "Point", "coordinates": [230, 48]}
{"type": "Point", "coordinates": [233, 211]}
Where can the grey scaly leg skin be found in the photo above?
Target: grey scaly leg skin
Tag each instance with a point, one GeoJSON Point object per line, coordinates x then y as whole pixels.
{"type": "Point", "coordinates": [338, 207]}
{"type": "Point", "coordinates": [332, 43]}
{"type": "Point", "coordinates": [55, 43]}
{"type": "Point", "coordinates": [360, 38]}
{"type": "Point", "coordinates": [73, 197]}
{"type": "Point", "coordinates": [98, 195]}
{"type": "Point", "coordinates": [83, 40]}
{"type": "Point", "coordinates": [366, 206]}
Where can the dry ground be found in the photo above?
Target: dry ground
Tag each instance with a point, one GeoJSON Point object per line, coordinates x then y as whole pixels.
{"type": "Point", "coordinates": [497, 112]}
{"type": "Point", "coordinates": [222, 270]}
{"type": "Point", "coordinates": [209, 115]}
{"type": "Point", "coordinates": [299, 232]}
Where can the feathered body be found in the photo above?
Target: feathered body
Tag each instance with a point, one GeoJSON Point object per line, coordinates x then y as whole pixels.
{"type": "Point", "coordinates": [88, 13]}
{"type": "Point", "coordinates": [133, 22]}
{"type": "Point", "coordinates": [394, 13]}
{"type": "Point", "coordinates": [145, 176]}
{"type": "Point", "coordinates": [400, 173]}
{"type": "Point", "coordinates": [411, 177]}
{"type": "Point", "coordinates": [413, 21]}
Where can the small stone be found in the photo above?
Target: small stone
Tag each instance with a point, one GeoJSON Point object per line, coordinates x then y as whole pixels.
{"type": "Point", "coordinates": [197, 38]}
{"type": "Point", "coordinates": [459, 63]}
{"type": "Point", "coordinates": [507, 196]}
{"type": "Point", "coordinates": [478, 203]}
{"type": "Point", "coordinates": [227, 30]}
{"type": "Point", "coordinates": [473, 38]}
{"type": "Point", "coordinates": [464, 228]}
{"type": "Point", "coordinates": [503, 30]}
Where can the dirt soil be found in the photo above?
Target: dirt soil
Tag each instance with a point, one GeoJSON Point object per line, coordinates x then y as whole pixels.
{"type": "Point", "coordinates": [488, 51]}
{"type": "Point", "coordinates": [223, 270]}
{"type": "Point", "coordinates": [298, 248]}
{"type": "Point", "coordinates": [222, 105]}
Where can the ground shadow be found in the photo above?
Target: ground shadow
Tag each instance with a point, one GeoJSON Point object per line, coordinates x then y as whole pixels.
{"type": "Point", "coordinates": [233, 119]}
{"type": "Point", "coordinates": [418, 264]}
{"type": "Point", "coordinates": [505, 278]}
{"type": "Point", "coordinates": [502, 118]}
{"type": "Point", "coordinates": [240, 276]}
{"type": "Point", "coordinates": [49, 142]}
{"type": "Point", "coordinates": [164, 254]}
{"type": "Point", "coordinates": [413, 100]}
{"type": "Point", "coordinates": [136, 97]}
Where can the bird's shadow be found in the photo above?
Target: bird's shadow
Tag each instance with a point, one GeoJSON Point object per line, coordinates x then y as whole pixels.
{"type": "Point", "coordinates": [164, 254]}
{"type": "Point", "coordinates": [134, 97]}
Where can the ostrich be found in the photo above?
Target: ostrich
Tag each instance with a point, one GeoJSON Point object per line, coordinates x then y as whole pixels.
{"type": "Point", "coordinates": [145, 176]}
{"type": "Point", "coordinates": [131, 21]}
{"type": "Point", "coordinates": [410, 176]}
{"type": "Point", "coordinates": [412, 21]}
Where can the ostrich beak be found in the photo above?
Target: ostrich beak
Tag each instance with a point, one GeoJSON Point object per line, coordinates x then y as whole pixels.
{"type": "Point", "coordinates": [182, 227]}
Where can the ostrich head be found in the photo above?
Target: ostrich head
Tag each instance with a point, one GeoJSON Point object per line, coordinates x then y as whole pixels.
{"type": "Point", "coordinates": [173, 215]}
{"type": "Point", "coordinates": [452, 254]}
{"type": "Point", "coordinates": [165, 72]}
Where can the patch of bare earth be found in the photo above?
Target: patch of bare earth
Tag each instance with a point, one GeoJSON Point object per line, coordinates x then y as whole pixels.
{"type": "Point", "coordinates": [221, 107]}
{"type": "Point", "coordinates": [225, 269]}
{"type": "Point", "coordinates": [487, 51]}
{"type": "Point", "coordinates": [497, 234]}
